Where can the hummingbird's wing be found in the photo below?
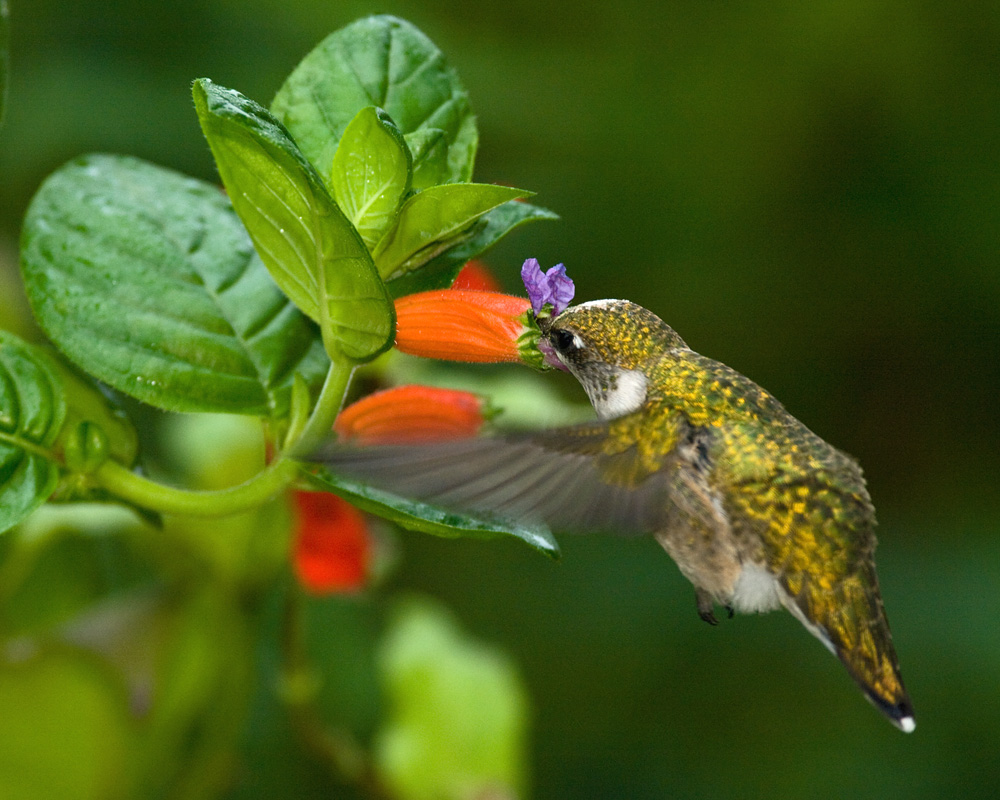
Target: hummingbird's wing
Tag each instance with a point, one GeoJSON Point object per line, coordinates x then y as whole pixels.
{"type": "Point", "coordinates": [590, 477]}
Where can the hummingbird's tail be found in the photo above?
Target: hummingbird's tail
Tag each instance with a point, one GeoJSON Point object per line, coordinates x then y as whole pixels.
{"type": "Point", "coordinates": [850, 620]}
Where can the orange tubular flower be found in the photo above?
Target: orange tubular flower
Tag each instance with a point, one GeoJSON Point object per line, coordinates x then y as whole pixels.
{"type": "Point", "coordinates": [476, 276]}
{"type": "Point", "coordinates": [465, 325]}
{"type": "Point", "coordinates": [411, 414]}
{"type": "Point", "coordinates": [332, 546]}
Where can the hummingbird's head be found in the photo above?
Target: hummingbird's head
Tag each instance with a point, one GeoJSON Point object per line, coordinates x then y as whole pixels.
{"type": "Point", "coordinates": [610, 347]}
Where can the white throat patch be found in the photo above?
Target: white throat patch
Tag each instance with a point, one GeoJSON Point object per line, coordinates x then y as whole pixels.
{"type": "Point", "coordinates": [622, 394]}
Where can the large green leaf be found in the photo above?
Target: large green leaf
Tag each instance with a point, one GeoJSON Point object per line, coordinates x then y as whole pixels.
{"type": "Point", "coordinates": [148, 281]}
{"type": "Point", "coordinates": [32, 412]}
{"type": "Point", "coordinates": [435, 220]}
{"type": "Point", "coordinates": [312, 251]}
{"type": "Point", "coordinates": [418, 516]}
{"type": "Point", "coordinates": [440, 272]}
{"type": "Point", "coordinates": [371, 173]}
{"type": "Point", "coordinates": [386, 62]}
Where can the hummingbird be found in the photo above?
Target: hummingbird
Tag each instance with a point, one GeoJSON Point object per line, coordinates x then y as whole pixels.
{"type": "Point", "coordinates": [758, 512]}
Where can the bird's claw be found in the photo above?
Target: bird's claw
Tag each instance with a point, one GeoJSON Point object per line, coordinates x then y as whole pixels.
{"type": "Point", "coordinates": [706, 607]}
{"type": "Point", "coordinates": [709, 617]}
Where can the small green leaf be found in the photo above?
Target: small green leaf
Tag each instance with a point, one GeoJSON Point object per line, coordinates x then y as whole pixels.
{"type": "Point", "coordinates": [86, 448]}
{"type": "Point", "coordinates": [148, 281]}
{"type": "Point", "coordinates": [371, 173]}
{"type": "Point", "coordinates": [32, 412]}
{"type": "Point", "coordinates": [428, 148]}
{"type": "Point", "coordinates": [312, 251]}
{"type": "Point", "coordinates": [386, 62]}
{"type": "Point", "coordinates": [418, 516]}
{"type": "Point", "coordinates": [299, 413]}
{"type": "Point", "coordinates": [434, 220]}
{"type": "Point", "coordinates": [440, 272]}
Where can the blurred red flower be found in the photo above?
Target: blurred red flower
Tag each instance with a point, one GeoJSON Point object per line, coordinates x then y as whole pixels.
{"type": "Point", "coordinates": [476, 276]}
{"type": "Point", "coordinates": [332, 546]}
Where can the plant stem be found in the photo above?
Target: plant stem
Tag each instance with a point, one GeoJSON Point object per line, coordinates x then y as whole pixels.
{"type": "Point", "coordinates": [146, 493]}
{"type": "Point", "coordinates": [336, 749]}
{"type": "Point", "coordinates": [331, 397]}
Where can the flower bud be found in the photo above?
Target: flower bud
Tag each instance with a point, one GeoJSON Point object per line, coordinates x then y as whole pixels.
{"type": "Point", "coordinates": [412, 414]}
{"type": "Point", "coordinates": [464, 325]}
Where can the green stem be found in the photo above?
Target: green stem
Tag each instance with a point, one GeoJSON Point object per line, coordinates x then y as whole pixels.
{"type": "Point", "coordinates": [145, 493]}
{"type": "Point", "coordinates": [331, 397]}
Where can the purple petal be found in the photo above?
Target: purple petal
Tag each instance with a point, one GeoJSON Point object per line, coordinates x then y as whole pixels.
{"type": "Point", "coordinates": [534, 280]}
{"type": "Point", "coordinates": [547, 288]}
{"type": "Point", "coordinates": [561, 288]}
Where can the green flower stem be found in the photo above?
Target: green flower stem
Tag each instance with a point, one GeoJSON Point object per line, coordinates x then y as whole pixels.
{"type": "Point", "coordinates": [331, 398]}
{"type": "Point", "coordinates": [154, 496]}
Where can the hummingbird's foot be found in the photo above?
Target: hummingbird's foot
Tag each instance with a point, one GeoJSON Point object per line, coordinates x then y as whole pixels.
{"type": "Point", "coordinates": [706, 607]}
{"type": "Point", "coordinates": [729, 610]}
{"type": "Point", "coordinates": [709, 617]}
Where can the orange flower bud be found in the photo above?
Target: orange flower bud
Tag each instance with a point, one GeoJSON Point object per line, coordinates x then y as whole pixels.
{"type": "Point", "coordinates": [332, 547]}
{"type": "Point", "coordinates": [464, 325]}
{"type": "Point", "coordinates": [411, 414]}
{"type": "Point", "coordinates": [476, 276]}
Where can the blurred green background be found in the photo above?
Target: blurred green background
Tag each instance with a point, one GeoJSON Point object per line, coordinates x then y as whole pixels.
{"type": "Point", "coordinates": [809, 192]}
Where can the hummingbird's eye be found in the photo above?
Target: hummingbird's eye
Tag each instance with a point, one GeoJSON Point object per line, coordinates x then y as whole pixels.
{"type": "Point", "coordinates": [564, 341]}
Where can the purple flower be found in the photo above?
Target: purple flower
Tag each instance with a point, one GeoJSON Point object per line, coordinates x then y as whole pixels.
{"type": "Point", "coordinates": [547, 288]}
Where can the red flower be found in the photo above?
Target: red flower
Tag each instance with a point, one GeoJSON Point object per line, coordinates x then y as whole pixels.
{"type": "Point", "coordinates": [332, 546]}
{"type": "Point", "coordinates": [465, 325]}
{"type": "Point", "coordinates": [476, 276]}
{"type": "Point", "coordinates": [411, 414]}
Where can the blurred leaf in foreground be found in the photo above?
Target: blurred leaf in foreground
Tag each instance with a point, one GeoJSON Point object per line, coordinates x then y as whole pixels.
{"type": "Point", "coordinates": [457, 711]}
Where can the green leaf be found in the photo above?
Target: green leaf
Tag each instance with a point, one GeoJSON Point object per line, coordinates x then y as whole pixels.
{"type": "Point", "coordinates": [32, 412]}
{"type": "Point", "coordinates": [434, 220]}
{"type": "Point", "coordinates": [440, 272]}
{"type": "Point", "coordinates": [371, 173]}
{"type": "Point", "coordinates": [417, 516]}
{"type": "Point", "coordinates": [457, 711]}
{"type": "Point", "coordinates": [4, 54]}
{"type": "Point", "coordinates": [428, 148]}
{"type": "Point", "coordinates": [312, 251]}
{"type": "Point", "coordinates": [147, 280]}
{"type": "Point", "coordinates": [386, 62]}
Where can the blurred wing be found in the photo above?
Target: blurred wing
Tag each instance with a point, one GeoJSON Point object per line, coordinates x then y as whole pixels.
{"type": "Point", "coordinates": [564, 478]}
